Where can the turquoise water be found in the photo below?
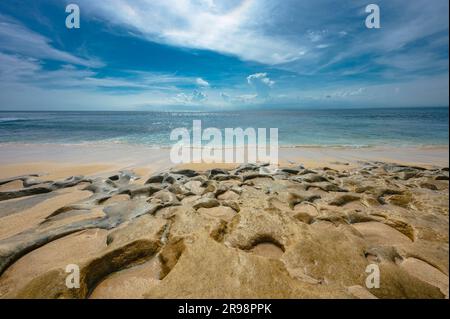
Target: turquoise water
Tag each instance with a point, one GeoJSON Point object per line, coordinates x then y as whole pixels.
{"type": "Point", "coordinates": [355, 127]}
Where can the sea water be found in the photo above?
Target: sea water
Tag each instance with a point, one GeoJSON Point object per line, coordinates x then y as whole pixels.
{"type": "Point", "coordinates": [337, 127]}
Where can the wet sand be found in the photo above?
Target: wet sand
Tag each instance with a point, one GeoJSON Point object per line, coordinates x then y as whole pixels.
{"type": "Point", "coordinates": [59, 161]}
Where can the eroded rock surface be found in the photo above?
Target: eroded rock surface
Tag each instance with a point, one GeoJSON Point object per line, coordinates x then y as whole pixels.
{"type": "Point", "coordinates": [255, 231]}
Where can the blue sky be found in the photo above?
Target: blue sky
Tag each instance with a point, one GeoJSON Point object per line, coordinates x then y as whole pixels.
{"type": "Point", "coordinates": [222, 54]}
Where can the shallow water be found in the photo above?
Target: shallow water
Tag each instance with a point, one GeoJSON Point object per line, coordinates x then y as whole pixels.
{"type": "Point", "coordinates": [354, 128]}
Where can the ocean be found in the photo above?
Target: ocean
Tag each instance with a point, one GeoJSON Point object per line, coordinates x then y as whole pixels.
{"type": "Point", "coordinates": [337, 127]}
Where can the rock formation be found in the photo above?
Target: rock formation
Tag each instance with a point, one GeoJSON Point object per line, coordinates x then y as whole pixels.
{"type": "Point", "coordinates": [249, 232]}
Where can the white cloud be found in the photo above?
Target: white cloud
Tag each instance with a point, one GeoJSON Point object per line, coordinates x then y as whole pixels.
{"type": "Point", "coordinates": [230, 27]}
{"type": "Point", "coordinates": [425, 91]}
{"type": "Point", "coordinates": [409, 29]}
{"type": "Point", "coordinates": [201, 82]}
{"type": "Point", "coordinates": [198, 96]}
{"type": "Point", "coordinates": [17, 39]}
{"type": "Point", "coordinates": [316, 36]}
{"type": "Point", "coordinates": [226, 97]}
{"type": "Point", "coordinates": [289, 34]}
{"type": "Point", "coordinates": [347, 93]}
{"type": "Point", "coordinates": [13, 68]}
{"type": "Point", "coordinates": [192, 98]}
{"type": "Point", "coordinates": [239, 100]}
{"type": "Point", "coordinates": [84, 88]}
{"type": "Point", "coordinates": [255, 79]}
{"type": "Point", "coordinates": [420, 61]}
{"type": "Point", "coordinates": [261, 83]}
{"type": "Point", "coordinates": [17, 69]}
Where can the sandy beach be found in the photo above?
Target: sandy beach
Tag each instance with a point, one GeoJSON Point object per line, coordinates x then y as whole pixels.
{"type": "Point", "coordinates": [90, 159]}
{"type": "Point", "coordinates": [235, 150]}
{"type": "Point", "coordinates": [138, 227]}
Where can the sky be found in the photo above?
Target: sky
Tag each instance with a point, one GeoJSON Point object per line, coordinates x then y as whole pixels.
{"type": "Point", "coordinates": [223, 55]}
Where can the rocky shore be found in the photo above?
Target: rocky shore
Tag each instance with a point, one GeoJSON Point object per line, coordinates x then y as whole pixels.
{"type": "Point", "coordinates": [253, 231]}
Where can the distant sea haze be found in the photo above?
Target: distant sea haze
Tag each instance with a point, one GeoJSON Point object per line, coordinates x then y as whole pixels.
{"type": "Point", "coordinates": [345, 127]}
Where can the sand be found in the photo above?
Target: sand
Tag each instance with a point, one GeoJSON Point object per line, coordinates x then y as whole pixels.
{"type": "Point", "coordinates": [57, 161]}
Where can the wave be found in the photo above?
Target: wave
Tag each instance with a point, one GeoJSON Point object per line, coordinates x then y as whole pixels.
{"type": "Point", "coordinates": [328, 145]}
{"type": "Point", "coordinates": [11, 119]}
{"type": "Point", "coordinates": [21, 119]}
{"type": "Point", "coordinates": [162, 146]}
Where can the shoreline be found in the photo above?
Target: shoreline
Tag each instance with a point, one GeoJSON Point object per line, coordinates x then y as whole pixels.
{"type": "Point", "coordinates": [168, 147]}
{"type": "Point", "coordinates": [88, 159]}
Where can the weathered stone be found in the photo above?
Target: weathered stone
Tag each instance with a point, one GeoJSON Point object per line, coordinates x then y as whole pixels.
{"type": "Point", "coordinates": [246, 168]}
{"type": "Point", "coordinates": [139, 190]}
{"type": "Point", "coordinates": [179, 189]}
{"type": "Point", "coordinates": [228, 195]}
{"type": "Point", "coordinates": [175, 178]}
{"type": "Point", "coordinates": [223, 177]}
{"type": "Point", "coordinates": [32, 181]}
{"type": "Point", "coordinates": [195, 187]}
{"type": "Point", "coordinates": [69, 182]}
{"type": "Point", "coordinates": [326, 186]}
{"type": "Point", "coordinates": [25, 192]}
{"type": "Point", "coordinates": [429, 186]}
{"type": "Point", "coordinates": [341, 200]}
{"type": "Point", "coordinates": [408, 175]}
{"type": "Point", "coordinates": [326, 254]}
{"type": "Point", "coordinates": [158, 178]}
{"type": "Point", "coordinates": [296, 197]}
{"type": "Point", "coordinates": [232, 204]}
{"type": "Point", "coordinates": [185, 172]}
{"type": "Point", "coordinates": [217, 171]}
{"type": "Point", "coordinates": [312, 178]}
{"type": "Point", "coordinates": [306, 171]}
{"type": "Point", "coordinates": [208, 269]}
{"type": "Point", "coordinates": [205, 203]}
{"type": "Point", "coordinates": [164, 198]}
{"type": "Point", "coordinates": [282, 229]}
{"type": "Point", "coordinates": [16, 178]}
{"type": "Point", "coordinates": [290, 170]}
{"type": "Point", "coordinates": [222, 212]}
{"type": "Point", "coordinates": [250, 176]}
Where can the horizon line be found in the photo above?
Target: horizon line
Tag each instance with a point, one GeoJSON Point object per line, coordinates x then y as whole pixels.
{"type": "Point", "coordinates": [237, 110]}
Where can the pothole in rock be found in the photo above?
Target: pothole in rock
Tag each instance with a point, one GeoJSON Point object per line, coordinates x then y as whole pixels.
{"type": "Point", "coordinates": [267, 247]}
{"type": "Point", "coordinates": [130, 283]}
{"type": "Point", "coordinates": [267, 250]}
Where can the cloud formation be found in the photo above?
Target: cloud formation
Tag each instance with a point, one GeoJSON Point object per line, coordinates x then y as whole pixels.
{"type": "Point", "coordinates": [225, 53]}
{"type": "Point", "coordinates": [201, 82]}
{"type": "Point", "coordinates": [261, 83]}
{"type": "Point", "coordinates": [223, 26]}
{"type": "Point", "coordinates": [193, 98]}
{"type": "Point", "coordinates": [16, 38]}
